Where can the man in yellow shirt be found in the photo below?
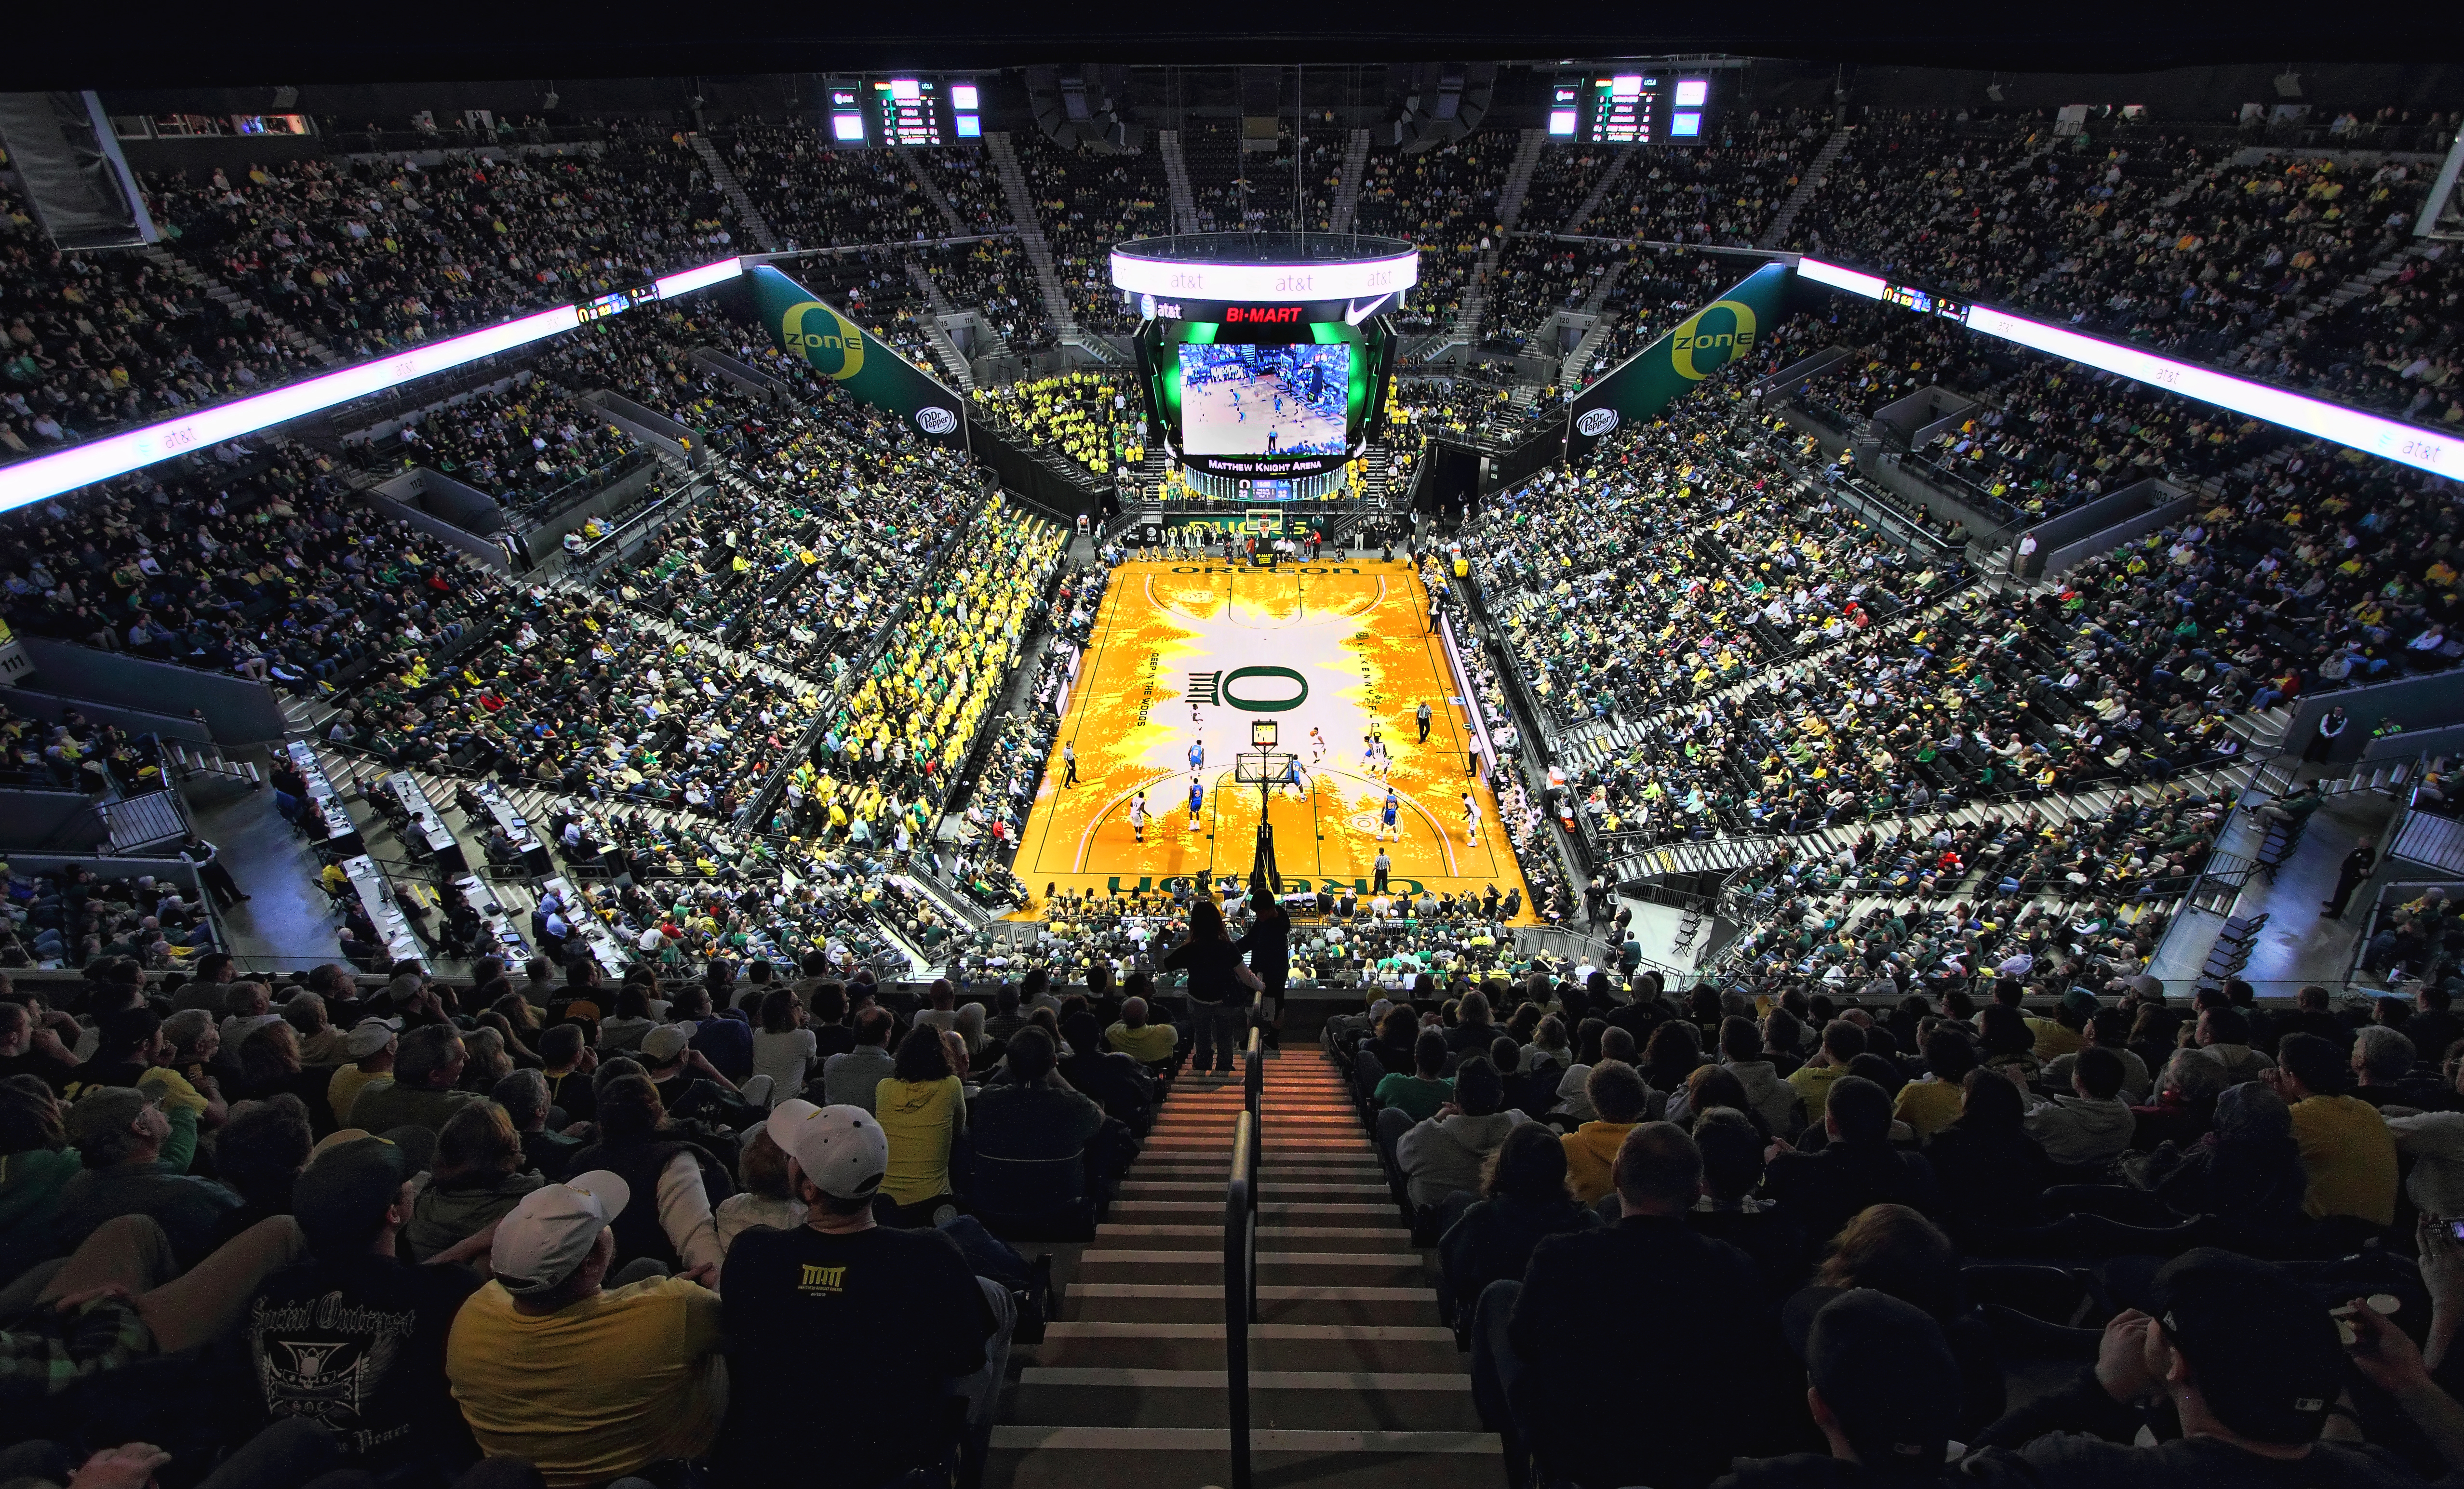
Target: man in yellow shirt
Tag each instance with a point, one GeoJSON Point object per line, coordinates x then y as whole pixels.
{"type": "Point", "coordinates": [1616, 1092]}
{"type": "Point", "coordinates": [589, 1384]}
{"type": "Point", "coordinates": [1932, 1104]}
{"type": "Point", "coordinates": [2063, 1033]}
{"type": "Point", "coordinates": [1842, 1043]}
{"type": "Point", "coordinates": [1147, 1044]}
{"type": "Point", "coordinates": [2346, 1150]}
{"type": "Point", "coordinates": [370, 1045]}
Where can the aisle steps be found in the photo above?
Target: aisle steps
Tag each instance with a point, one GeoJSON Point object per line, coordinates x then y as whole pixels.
{"type": "Point", "coordinates": [1352, 1380]}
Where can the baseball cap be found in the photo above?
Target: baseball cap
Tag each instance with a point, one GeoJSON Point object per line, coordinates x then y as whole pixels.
{"type": "Point", "coordinates": [841, 1148]}
{"type": "Point", "coordinates": [366, 1037]}
{"type": "Point", "coordinates": [2080, 1001]}
{"type": "Point", "coordinates": [667, 1041]}
{"type": "Point", "coordinates": [2265, 1352]}
{"type": "Point", "coordinates": [1884, 1369]}
{"type": "Point", "coordinates": [110, 1108]}
{"type": "Point", "coordinates": [550, 1233]}
{"type": "Point", "coordinates": [340, 1199]}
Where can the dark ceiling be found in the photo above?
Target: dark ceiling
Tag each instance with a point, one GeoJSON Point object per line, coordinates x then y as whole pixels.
{"type": "Point", "coordinates": [59, 45]}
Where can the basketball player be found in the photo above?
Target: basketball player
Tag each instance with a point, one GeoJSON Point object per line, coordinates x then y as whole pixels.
{"type": "Point", "coordinates": [1198, 799]}
{"type": "Point", "coordinates": [1471, 821]}
{"type": "Point", "coordinates": [1138, 816]}
{"type": "Point", "coordinates": [1386, 827]}
{"type": "Point", "coordinates": [1317, 745]}
{"type": "Point", "coordinates": [1369, 754]}
{"type": "Point", "coordinates": [1293, 781]}
{"type": "Point", "coordinates": [1196, 754]}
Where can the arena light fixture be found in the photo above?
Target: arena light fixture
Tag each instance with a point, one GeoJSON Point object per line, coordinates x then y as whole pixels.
{"type": "Point", "coordinates": [30, 481]}
{"type": "Point", "coordinates": [2422, 449]}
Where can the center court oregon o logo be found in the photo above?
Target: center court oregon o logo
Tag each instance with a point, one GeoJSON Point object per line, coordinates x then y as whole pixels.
{"type": "Point", "coordinates": [1218, 688]}
{"type": "Point", "coordinates": [837, 350]}
{"type": "Point", "coordinates": [1689, 344]}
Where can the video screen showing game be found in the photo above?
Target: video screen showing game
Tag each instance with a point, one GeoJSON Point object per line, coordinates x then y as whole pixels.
{"type": "Point", "coordinates": [1247, 399]}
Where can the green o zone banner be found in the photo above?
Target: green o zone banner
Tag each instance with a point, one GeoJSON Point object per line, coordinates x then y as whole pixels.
{"type": "Point", "coordinates": [1671, 367]}
{"type": "Point", "coordinates": [860, 362]}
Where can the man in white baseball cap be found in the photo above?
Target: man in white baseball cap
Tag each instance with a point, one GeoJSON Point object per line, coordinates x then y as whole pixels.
{"type": "Point", "coordinates": [588, 1382]}
{"type": "Point", "coordinates": [895, 1320]}
{"type": "Point", "coordinates": [370, 1045]}
{"type": "Point", "coordinates": [690, 1085]}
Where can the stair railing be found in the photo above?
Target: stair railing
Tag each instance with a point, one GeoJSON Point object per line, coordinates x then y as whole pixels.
{"type": "Point", "coordinates": [1240, 1276]}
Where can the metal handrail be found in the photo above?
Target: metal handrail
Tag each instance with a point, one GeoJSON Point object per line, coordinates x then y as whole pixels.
{"type": "Point", "coordinates": [1253, 1066]}
{"type": "Point", "coordinates": [1241, 1278]}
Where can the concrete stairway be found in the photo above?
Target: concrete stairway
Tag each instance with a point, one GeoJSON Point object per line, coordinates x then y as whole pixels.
{"type": "Point", "coordinates": [1816, 174]}
{"type": "Point", "coordinates": [1600, 190]}
{"type": "Point", "coordinates": [214, 289]}
{"type": "Point", "coordinates": [1175, 179]}
{"type": "Point", "coordinates": [934, 194]}
{"type": "Point", "coordinates": [1518, 178]}
{"type": "Point", "coordinates": [723, 178]}
{"type": "Point", "coordinates": [937, 330]}
{"type": "Point", "coordinates": [1474, 309]}
{"type": "Point", "coordinates": [1030, 236]}
{"type": "Point", "coordinates": [1570, 372]}
{"type": "Point", "coordinates": [1346, 186]}
{"type": "Point", "coordinates": [2366, 282]}
{"type": "Point", "coordinates": [1352, 1380]}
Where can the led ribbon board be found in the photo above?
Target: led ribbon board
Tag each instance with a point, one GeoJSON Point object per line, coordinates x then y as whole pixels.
{"type": "Point", "coordinates": [30, 481]}
{"type": "Point", "coordinates": [2423, 450]}
{"type": "Point", "coordinates": [1181, 278]}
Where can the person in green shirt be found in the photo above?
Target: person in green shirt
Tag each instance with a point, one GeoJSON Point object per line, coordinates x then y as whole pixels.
{"type": "Point", "coordinates": [1417, 1095]}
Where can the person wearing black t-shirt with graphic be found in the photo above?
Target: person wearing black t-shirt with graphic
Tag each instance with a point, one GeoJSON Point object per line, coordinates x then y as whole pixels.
{"type": "Point", "coordinates": [903, 1338]}
{"type": "Point", "coordinates": [353, 1336]}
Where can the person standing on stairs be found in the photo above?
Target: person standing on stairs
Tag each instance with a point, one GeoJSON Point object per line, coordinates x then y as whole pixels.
{"type": "Point", "coordinates": [2358, 867]}
{"type": "Point", "coordinates": [1219, 985]}
{"type": "Point", "coordinates": [1268, 946]}
{"type": "Point", "coordinates": [2331, 725]}
{"type": "Point", "coordinates": [216, 880]}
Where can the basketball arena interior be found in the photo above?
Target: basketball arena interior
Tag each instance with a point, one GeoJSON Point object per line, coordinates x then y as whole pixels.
{"type": "Point", "coordinates": [1482, 757]}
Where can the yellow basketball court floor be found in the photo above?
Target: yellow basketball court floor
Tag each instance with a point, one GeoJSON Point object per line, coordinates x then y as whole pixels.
{"type": "Point", "coordinates": [1336, 654]}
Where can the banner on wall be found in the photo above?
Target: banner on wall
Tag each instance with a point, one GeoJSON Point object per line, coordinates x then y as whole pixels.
{"type": "Point", "coordinates": [858, 361]}
{"type": "Point", "coordinates": [1677, 364]}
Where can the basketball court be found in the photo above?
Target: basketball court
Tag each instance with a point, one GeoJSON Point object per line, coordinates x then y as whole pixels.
{"type": "Point", "coordinates": [1193, 654]}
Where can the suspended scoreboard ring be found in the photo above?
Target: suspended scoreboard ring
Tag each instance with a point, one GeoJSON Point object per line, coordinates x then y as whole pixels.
{"type": "Point", "coordinates": [1262, 353]}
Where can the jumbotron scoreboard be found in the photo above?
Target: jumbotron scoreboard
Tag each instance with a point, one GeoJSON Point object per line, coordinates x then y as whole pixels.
{"type": "Point", "coordinates": [1262, 353]}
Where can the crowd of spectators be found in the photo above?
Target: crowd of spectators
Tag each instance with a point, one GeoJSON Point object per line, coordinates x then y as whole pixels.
{"type": "Point", "coordinates": [78, 914]}
{"type": "Point", "coordinates": [1724, 190]}
{"type": "Point", "coordinates": [2391, 348]}
{"type": "Point", "coordinates": [814, 196]}
{"type": "Point", "coordinates": [995, 278]}
{"type": "Point", "coordinates": [250, 561]}
{"type": "Point", "coordinates": [1085, 203]}
{"type": "Point", "coordinates": [482, 1192]}
{"type": "Point", "coordinates": [521, 446]}
{"type": "Point", "coordinates": [1091, 417]}
{"type": "Point", "coordinates": [371, 254]}
{"type": "Point", "coordinates": [97, 340]}
{"type": "Point", "coordinates": [1445, 201]}
{"type": "Point", "coordinates": [1816, 1180]}
{"type": "Point", "coordinates": [2156, 238]}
